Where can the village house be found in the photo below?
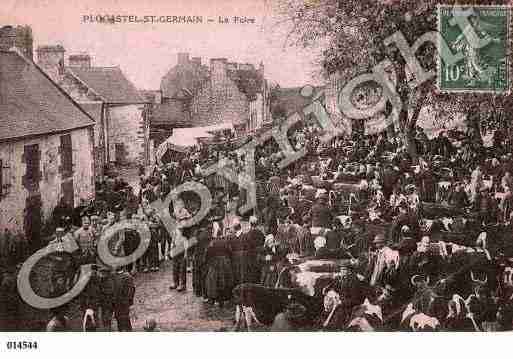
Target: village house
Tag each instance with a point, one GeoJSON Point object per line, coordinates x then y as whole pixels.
{"type": "Point", "coordinates": [46, 141]}
{"type": "Point", "coordinates": [195, 95]}
{"type": "Point", "coordinates": [121, 135]}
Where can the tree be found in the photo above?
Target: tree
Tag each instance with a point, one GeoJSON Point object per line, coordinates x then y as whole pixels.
{"type": "Point", "coordinates": [354, 33]}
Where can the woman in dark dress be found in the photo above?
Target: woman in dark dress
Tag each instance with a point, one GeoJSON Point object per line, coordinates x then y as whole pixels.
{"type": "Point", "coordinates": [272, 258]}
{"type": "Point", "coordinates": [199, 266]}
{"type": "Point", "coordinates": [244, 252]}
{"type": "Point", "coordinates": [219, 281]}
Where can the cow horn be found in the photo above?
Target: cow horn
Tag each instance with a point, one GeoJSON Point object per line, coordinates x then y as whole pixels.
{"type": "Point", "coordinates": [413, 280]}
{"type": "Point", "coordinates": [477, 280]}
{"type": "Point", "coordinates": [509, 277]}
{"type": "Point", "coordinates": [472, 276]}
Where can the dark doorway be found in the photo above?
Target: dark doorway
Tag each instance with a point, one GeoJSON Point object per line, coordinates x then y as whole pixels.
{"type": "Point", "coordinates": [120, 154]}
{"type": "Point", "coordinates": [33, 221]}
{"type": "Point", "coordinates": [68, 192]}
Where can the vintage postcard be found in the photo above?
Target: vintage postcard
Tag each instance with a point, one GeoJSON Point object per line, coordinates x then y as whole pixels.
{"type": "Point", "coordinates": [251, 165]}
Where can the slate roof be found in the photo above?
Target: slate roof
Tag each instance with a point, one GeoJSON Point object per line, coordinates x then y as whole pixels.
{"type": "Point", "coordinates": [31, 104]}
{"type": "Point", "coordinates": [184, 80]}
{"type": "Point", "coordinates": [93, 109]}
{"type": "Point", "coordinates": [189, 76]}
{"type": "Point", "coordinates": [171, 114]}
{"type": "Point", "coordinates": [148, 95]}
{"type": "Point", "coordinates": [109, 83]}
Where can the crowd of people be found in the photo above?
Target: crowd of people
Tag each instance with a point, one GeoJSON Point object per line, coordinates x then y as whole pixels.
{"type": "Point", "coordinates": [422, 236]}
{"type": "Point", "coordinates": [399, 222]}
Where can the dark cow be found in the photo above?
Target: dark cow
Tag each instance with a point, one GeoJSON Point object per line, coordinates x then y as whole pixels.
{"type": "Point", "coordinates": [258, 304]}
{"type": "Point", "coordinates": [367, 317]}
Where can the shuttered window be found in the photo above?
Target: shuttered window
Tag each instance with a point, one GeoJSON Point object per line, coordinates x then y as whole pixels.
{"type": "Point", "coordinates": [33, 163]}
{"type": "Point", "coordinates": [1, 178]}
{"type": "Point", "coordinates": [5, 178]}
{"type": "Point", "coordinates": [66, 156]}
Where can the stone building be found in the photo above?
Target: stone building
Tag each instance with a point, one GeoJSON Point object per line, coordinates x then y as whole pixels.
{"type": "Point", "coordinates": [121, 135]}
{"type": "Point", "coordinates": [196, 95]}
{"type": "Point", "coordinates": [46, 146]}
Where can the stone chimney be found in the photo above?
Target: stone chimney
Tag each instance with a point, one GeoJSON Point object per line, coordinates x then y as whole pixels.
{"type": "Point", "coordinates": [80, 60]}
{"type": "Point", "coordinates": [158, 96]}
{"type": "Point", "coordinates": [232, 66]}
{"type": "Point", "coordinates": [196, 61]}
{"type": "Point", "coordinates": [19, 37]}
{"type": "Point", "coordinates": [261, 69]}
{"type": "Point", "coordinates": [247, 67]}
{"type": "Point", "coordinates": [183, 58]}
{"type": "Point", "coordinates": [51, 59]}
{"type": "Point", "coordinates": [217, 71]}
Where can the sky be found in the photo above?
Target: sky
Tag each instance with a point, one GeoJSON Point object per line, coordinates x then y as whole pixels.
{"type": "Point", "coordinates": [145, 52]}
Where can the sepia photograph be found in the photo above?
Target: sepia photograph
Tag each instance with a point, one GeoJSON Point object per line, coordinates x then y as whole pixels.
{"type": "Point", "coordinates": [255, 166]}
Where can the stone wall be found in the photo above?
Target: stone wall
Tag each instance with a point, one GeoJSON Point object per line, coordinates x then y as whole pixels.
{"type": "Point", "coordinates": [219, 101]}
{"type": "Point", "coordinates": [257, 113]}
{"type": "Point", "coordinates": [51, 60]}
{"type": "Point", "coordinates": [81, 94]}
{"type": "Point", "coordinates": [127, 126]}
{"type": "Point", "coordinates": [13, 201]}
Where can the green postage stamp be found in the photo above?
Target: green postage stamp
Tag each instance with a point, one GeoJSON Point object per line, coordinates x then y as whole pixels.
{"type": "Point", "coordinates": [481, 36]}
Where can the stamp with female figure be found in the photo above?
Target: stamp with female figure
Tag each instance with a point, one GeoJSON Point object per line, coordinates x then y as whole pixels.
{"type": "Point", "coordinates": [482, 35]}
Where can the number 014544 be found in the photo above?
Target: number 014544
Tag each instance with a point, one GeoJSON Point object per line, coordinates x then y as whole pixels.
{"type": "Point", "coordinates": [21, 345]}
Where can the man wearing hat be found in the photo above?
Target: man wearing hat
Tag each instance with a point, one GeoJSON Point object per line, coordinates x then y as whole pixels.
{"type": "Point", "coordinates": [180, 268]}
{"type": "Point", "coordinates": [117, 296]}
{"type": "Point", "coordinates": [382, 262]}
{"type": "Point", "coordinates": [85, 238]}
{"type": "Point", "coordinates": [61, 211]}
{"type": "Point", "coordinates": [62, 239]}
{"type": "Point", "coordinates": [486, 206]}
{"type": "Point", "coordinates": [254, 235]}
{"type": "Point", "coordinates": [321, 214]}
{"type": "Point", "coordinates": [151, 256]}
{"type": "Point", "coordinates": [96, 227]}
{"type": "Point", "coordinates": [405, 217]}
{"type": "Point", "coordinates": [458, 197]}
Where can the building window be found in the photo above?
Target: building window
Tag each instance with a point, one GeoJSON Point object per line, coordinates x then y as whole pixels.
{"type": "Point", "coordinates": [33, 164]}
{"type": "Point", "coordinates": [5, 179]}
{"type": "Point", "coordinates": [66, 156]}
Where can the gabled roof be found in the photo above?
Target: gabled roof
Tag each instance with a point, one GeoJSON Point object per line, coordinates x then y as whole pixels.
{"type": "Point", "coordinates": [31, 104]}
{"type": "Point", "coordinates": [109, 83]}
{"type": "Point", "coordinates": [171, 113]}
{"type": "Point", "coordinates": [149, 95]}
{"type": "Point", "coordinates": [94, 109]}
{"type": "Point", "coordinates": [183, 80]}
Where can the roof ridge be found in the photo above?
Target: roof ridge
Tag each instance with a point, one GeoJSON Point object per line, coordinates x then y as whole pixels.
{"type": "Point", "coordinates": [127, 87]}
{"type": "Point", "coordinates": [35, 67]}
{"type": "Point", "coordinates": [96, 67]}
{"type": "Point", "coordinates": [59, 88]}
{"type": "Point", "coordinates": [86, 84]}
